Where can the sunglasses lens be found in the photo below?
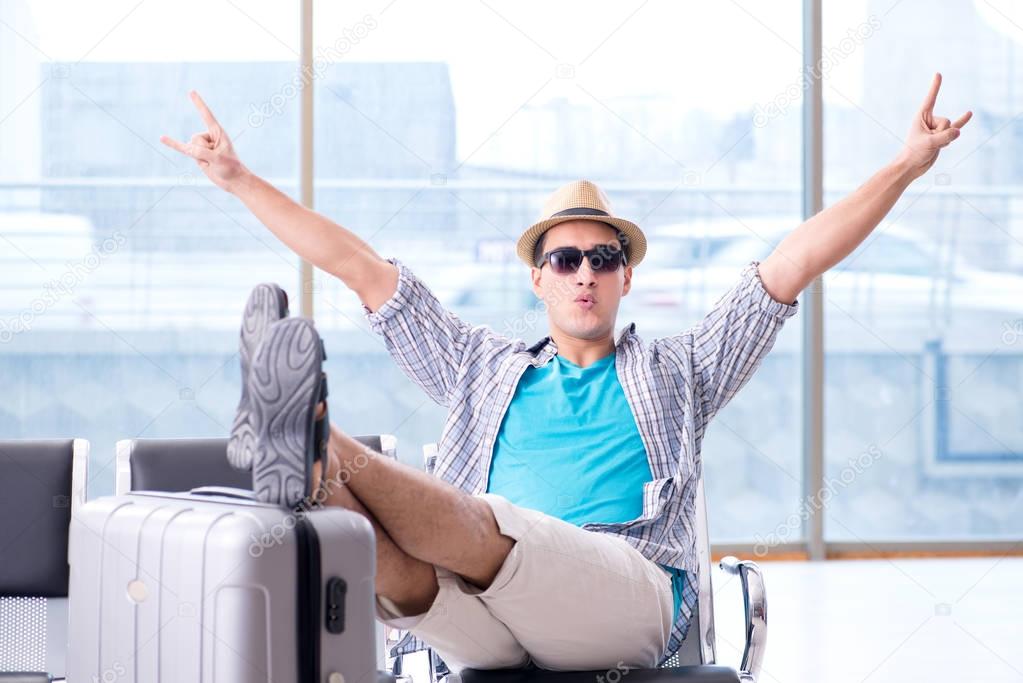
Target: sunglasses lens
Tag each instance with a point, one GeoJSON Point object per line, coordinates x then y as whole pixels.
{"type": "Point", "coordinates": [566, 261]}
{"type": "Point", "coordinates": [605, 260]}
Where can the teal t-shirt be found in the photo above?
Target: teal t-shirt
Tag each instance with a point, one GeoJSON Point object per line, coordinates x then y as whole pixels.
{"type": "Point", "coordinates": [569, 447]}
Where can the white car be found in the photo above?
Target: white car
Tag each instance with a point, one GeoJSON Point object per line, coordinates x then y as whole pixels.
{"type": "Point", "coordinates": [897, 290]}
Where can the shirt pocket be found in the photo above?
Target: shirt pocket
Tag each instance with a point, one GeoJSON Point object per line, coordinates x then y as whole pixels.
{"type": "Point", "coordinates": [657, 490]}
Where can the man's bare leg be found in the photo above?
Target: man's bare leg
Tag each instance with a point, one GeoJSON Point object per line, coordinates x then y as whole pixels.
{"type": "Point", "coordinates": [408, 582]}
{"type": "Point", "coordinates": [424, 517]}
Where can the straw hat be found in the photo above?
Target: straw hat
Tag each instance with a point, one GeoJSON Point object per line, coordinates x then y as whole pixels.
{"type": "Point", "coordinates": [581, 200]}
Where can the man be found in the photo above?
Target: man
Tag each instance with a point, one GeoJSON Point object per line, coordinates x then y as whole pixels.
{"type": "Point", "coordinates": [558, 527]}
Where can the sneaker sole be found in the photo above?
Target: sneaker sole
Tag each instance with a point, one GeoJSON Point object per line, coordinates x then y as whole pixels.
{"type": "Point", "coordinates": [284, 388]}
{"type": "Point", "coordinates": [267, 304]}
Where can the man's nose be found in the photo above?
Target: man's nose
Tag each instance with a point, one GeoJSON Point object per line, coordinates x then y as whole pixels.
{"type": "Point", "coordinates": [585, 274]}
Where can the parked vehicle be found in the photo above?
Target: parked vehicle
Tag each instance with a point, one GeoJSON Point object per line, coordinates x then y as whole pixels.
{"type": "Point", "coordinates": [896, 290]}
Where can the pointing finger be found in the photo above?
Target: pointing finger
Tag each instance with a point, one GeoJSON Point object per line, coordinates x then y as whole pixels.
{"type": "Point", "coordinates": [961, 121]}
{"type": "Point", "coordinates": [932, 96]}
{"type": "Point", "coordinates": [204, 111]}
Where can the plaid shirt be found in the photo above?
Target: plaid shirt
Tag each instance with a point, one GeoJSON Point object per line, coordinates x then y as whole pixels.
{"type": "Point", "coordinates": [674, 386]}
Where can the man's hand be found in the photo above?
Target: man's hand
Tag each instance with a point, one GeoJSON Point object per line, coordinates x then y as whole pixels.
{"type": "Point", "coordinates": [929, 133]}
{"type": "Point", "coordinates": [830, 236]}
{"type": "Point", "coordinates": [212, 150]}
{"type": "Point", "coordinates": [327, 245]}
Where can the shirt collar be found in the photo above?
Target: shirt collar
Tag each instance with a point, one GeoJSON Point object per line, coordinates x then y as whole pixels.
{"type": "Point", "coordinates": [543, 350]}
{"type": "Point", "coordinates": [626, 331]}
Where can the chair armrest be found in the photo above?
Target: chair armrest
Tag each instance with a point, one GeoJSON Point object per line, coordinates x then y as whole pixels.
{"type": "Point", "coordinates": [754, 600]}
{"type": "Point", "coordinates": [25, 677]}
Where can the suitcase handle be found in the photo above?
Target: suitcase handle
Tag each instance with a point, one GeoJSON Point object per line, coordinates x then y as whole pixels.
{"type": "Point", "coordinates": [224, 491]}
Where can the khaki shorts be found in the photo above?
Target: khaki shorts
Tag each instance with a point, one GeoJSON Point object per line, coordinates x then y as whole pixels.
{"type": "Point", "coordinates": [565, 598]}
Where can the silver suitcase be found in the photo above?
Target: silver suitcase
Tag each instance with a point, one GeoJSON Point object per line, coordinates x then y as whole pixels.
{"type": "Point", "coordinates": [213, 587]}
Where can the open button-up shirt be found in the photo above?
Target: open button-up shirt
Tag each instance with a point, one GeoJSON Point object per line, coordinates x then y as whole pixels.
{"type": "Point", "coordinates": [674, 385]}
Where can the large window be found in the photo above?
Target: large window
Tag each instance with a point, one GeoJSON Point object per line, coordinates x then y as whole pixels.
{"type": "Point", "coordinates": [440, 151]}
{"type": "Point", "coordinates": [923, 328]}
{"type": "Point", "coordinates": [122, 269]}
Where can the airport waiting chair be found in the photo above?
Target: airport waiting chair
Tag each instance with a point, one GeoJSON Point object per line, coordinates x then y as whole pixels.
{"type": "Point", "coordinates": [186, 464]}
{"type": "Point", "coordinates": [695, 660]}
{"type": "Point", "coordinates": [42, 483]}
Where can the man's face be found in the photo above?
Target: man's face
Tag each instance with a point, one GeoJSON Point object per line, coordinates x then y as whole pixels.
{"type": "Point", "coordinates": [583, 304]}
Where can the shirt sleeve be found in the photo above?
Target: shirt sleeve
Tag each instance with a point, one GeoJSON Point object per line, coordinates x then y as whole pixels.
{"type": "Point", "coordinates": [426, 340]}
{"type": "Point", "coordinates": [727, 346]}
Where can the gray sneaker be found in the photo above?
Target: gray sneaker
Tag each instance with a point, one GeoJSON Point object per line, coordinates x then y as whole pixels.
{"type": "Point", "coordinates": [267, 304]}
{"type": "Point", "coordinates": [285, 385]}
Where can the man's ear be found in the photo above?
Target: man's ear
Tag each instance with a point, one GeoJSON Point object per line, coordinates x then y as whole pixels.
{"type": "Point", "coordinates": [534, 276]}
{"type": "Point", "coordinates": [627, 285]}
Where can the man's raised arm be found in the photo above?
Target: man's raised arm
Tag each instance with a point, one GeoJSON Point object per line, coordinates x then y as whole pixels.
{"type": "Point", "coordinates": [831, 235]}
{"type": "Point", "coordinates": [327, 245]}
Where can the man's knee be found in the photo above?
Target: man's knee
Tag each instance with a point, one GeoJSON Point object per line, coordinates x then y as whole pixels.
{"type": "Point", "coordinates": [476, 656]}
{"type": "Point", "coordinates": [461, 629]}
{"type": "Point", "coordinates": [491, 547]}
{"type": "Point", "coordinates": [406, 581]}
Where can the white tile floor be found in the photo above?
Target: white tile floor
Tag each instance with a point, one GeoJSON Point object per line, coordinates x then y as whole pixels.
{"type": "Point", "coordinates": [884, 620]}
{"type": "Point", "coordinates": [877, 621]}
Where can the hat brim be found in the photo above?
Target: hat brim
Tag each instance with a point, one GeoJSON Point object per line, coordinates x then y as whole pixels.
{"type": "Point", "coordinates": [635, 247]}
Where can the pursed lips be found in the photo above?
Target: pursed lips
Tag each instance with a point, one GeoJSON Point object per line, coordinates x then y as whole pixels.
{"type": "Point", "coordinates": [585, 301]}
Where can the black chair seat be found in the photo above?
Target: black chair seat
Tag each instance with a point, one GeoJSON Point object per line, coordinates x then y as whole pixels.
{"type": "Point", "coordinates": [678, 674]}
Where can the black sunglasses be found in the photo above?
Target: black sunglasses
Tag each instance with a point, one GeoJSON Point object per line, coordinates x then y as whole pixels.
{"type": "Point", "coordinates": [566, 260]}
